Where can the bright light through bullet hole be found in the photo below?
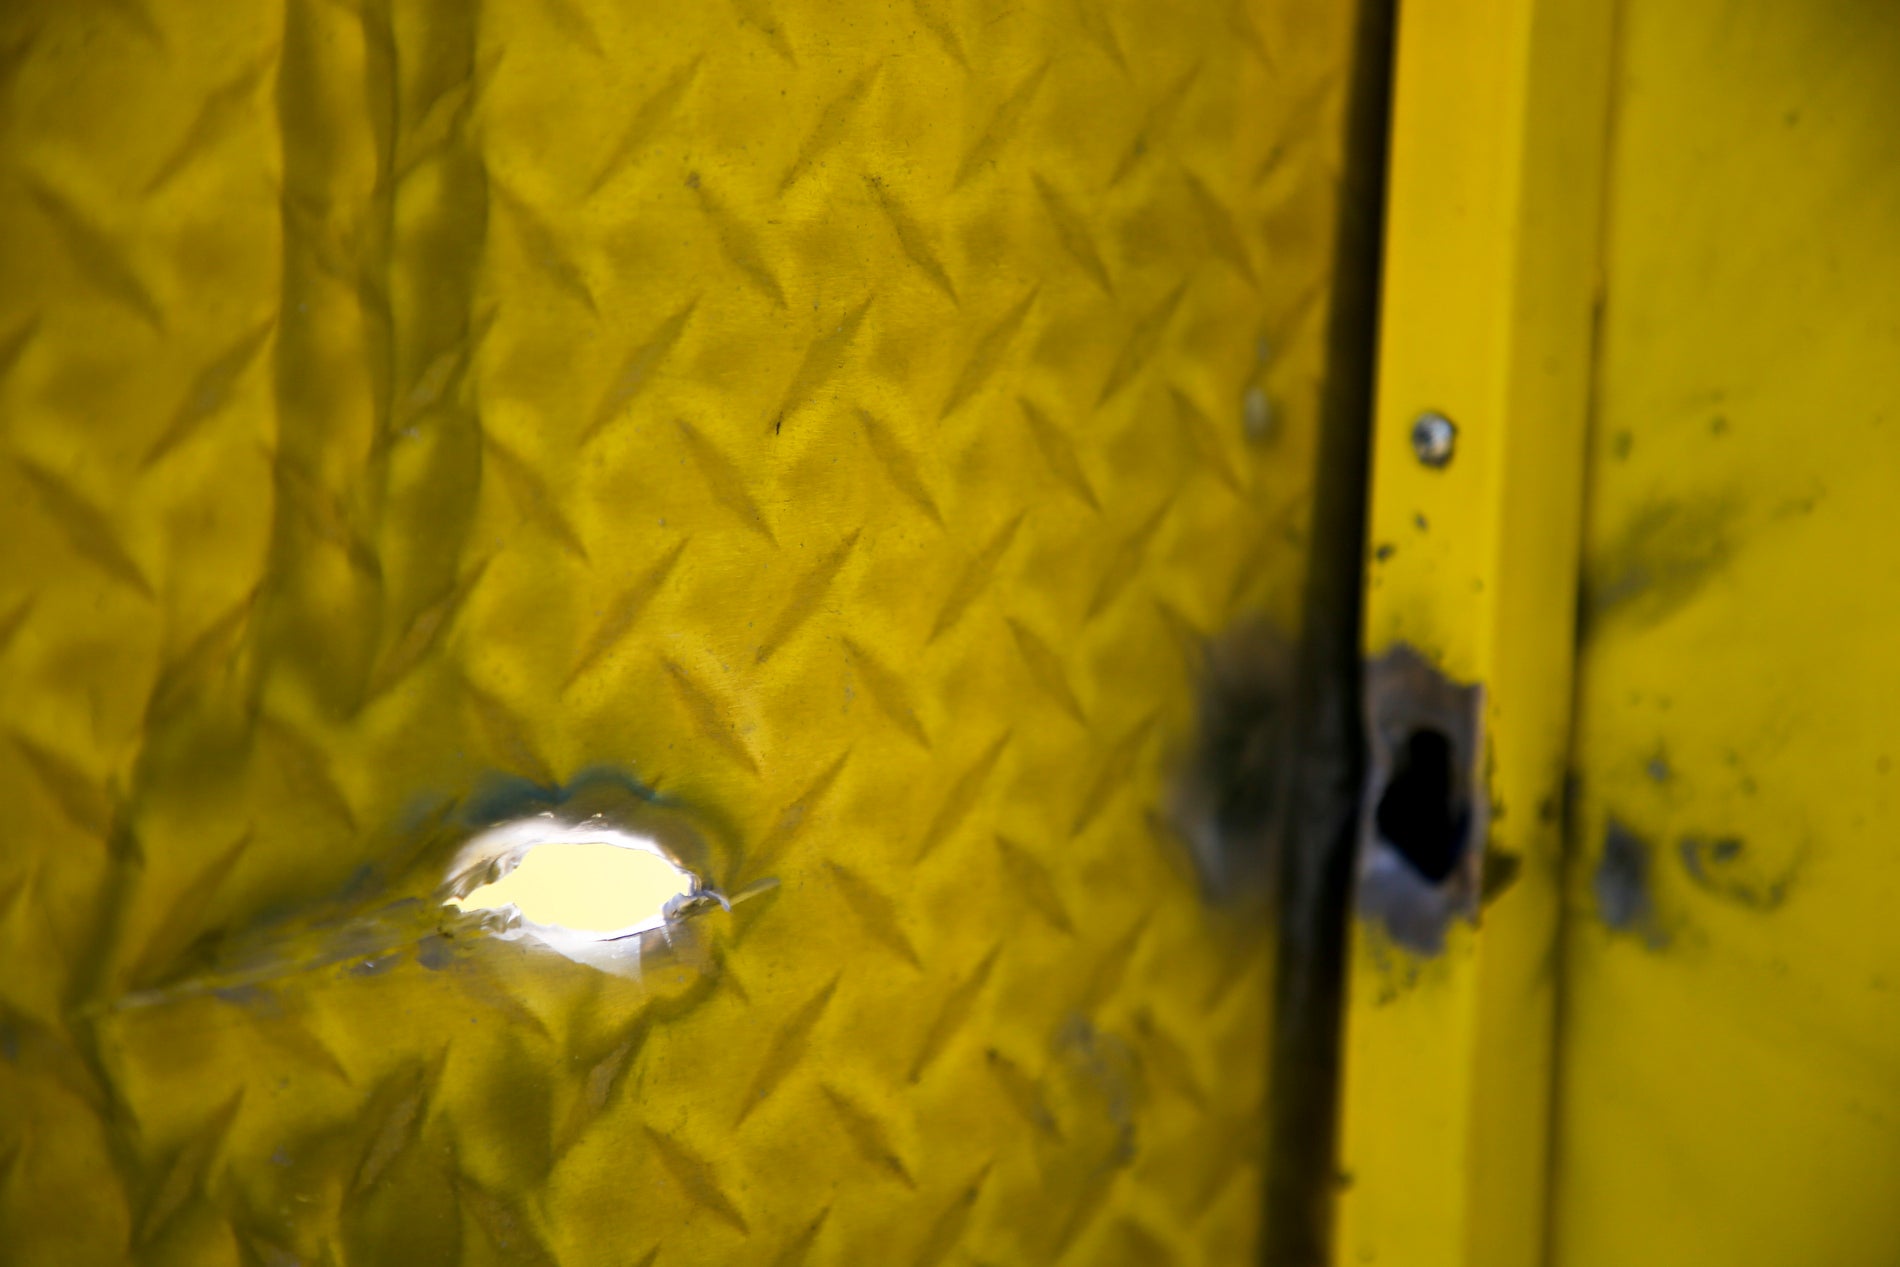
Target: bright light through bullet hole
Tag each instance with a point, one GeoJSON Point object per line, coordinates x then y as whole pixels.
{"type": "Point", "coordinates": [590, 881]}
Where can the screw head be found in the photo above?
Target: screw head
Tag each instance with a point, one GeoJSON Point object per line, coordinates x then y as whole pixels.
{"type": "Point", "coordinates": [1434, 439]}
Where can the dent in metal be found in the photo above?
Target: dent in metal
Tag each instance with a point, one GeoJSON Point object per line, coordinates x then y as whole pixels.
{"type": "Point", "coordinates": [1420, 864]}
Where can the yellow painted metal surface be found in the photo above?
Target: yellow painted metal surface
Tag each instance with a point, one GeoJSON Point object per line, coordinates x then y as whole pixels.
{"type": "Point", "coordinates": [833, 414]}
{"type": "Point", "coordinates": [1721, 1082]}
{"type": "Point", "coordinates": [1730, 1037]}
{"type": "Point", "coordinates": [1497, 135]}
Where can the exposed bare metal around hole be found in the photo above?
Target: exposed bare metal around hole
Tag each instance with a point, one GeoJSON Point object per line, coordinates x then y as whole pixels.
{"type": "Point", "coordinates": [590, 888]}
{"type": "Point", "coordinates": [602, 871]}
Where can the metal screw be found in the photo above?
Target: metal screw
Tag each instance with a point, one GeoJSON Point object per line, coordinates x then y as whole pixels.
{"type": "Point", "coordinates": [1434, 437]}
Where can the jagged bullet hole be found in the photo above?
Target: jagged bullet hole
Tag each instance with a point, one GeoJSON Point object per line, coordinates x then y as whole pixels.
{"type": "Point", "coordinates": [584, 886]}
{"type": "Point", "coordinates": [1420, 813]}
{"type": "Point", "coordinates": [578, 888]}
{"type": "Point", "coordinates": [1424, 813]}
{"type": "Point", "coordinates": [600, 872]}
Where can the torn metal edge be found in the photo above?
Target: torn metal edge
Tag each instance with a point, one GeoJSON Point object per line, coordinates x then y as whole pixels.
{"type": "Point", "coordinates": [1406, 693]}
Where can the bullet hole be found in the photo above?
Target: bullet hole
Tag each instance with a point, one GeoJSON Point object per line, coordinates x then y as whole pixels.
{"type": "Point", "coordinates": [592, 890]}
{"type": "Point", "coordinates": [1420, 814]}
{"type": "Point", "coordinates": [1424, 814]}
{"type": "Point", "coordinates": [611, 887]}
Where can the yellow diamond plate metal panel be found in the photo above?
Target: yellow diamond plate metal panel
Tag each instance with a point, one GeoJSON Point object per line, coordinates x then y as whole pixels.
{"type": "Point", "coordinates": [1730, 1037]}
{"type": "Point", "coordinates": [840, 416]}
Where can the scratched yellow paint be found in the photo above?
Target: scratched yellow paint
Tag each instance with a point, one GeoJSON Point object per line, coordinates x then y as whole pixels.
{"type": "Point", "coordinates": [832, 415]}
{"type": "Point", "coordinates": [1728, 1051]}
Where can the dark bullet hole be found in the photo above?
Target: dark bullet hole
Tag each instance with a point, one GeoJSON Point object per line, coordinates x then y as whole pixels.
{"type": "Point", "coordinates": [1420, 813]}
